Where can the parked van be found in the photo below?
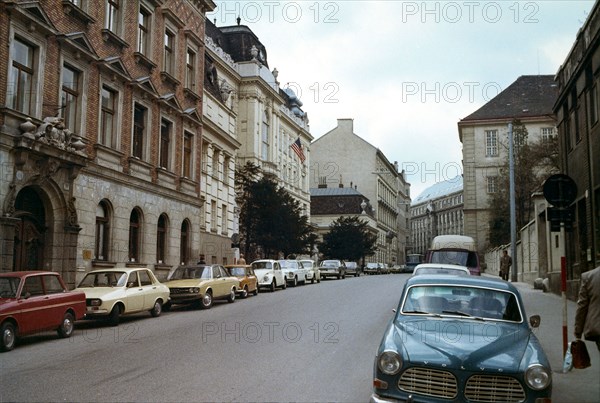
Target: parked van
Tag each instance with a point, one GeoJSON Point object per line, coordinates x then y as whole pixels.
{"type": "Point", "coordinates": [455, 249]}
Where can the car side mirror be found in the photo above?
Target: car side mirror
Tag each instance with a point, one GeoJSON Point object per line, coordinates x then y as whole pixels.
{"type": "Point", "coordinates": [26, 295]}
{"type": "Point", "coordinates": [535, 320]}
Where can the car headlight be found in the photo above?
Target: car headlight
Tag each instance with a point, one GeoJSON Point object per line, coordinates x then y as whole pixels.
{"type": "Point", "coordinates": [95, 302]}
{"type": "Point", "coordinates": [266, 278]}
{"type": "Point", "coordinates": [194, 290]}
{"type": "Point", "coordinates": [538, 377]}
{"type": "Point", "coordinates": [389, 362]}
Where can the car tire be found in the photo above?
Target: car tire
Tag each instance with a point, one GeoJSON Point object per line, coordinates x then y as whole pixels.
{"type": "Point", "coordinates": [256, 290]}
{"type": "Point", "coordinates": [67, 326]}
{"type": "Point", "coordinates": [167, 307]}
{"type": "Point", "coordinates": [207, 300]}
{"type": "Point", "coordinates": [312, 280]}
{"type": "Point", "coordinates": [113, 317]}
{"type": "Point", "coordinates": [339, 276]}
{"type": "Point", "coordinates": [295, 282]}
{"type": "Point", "coordinates": [272, 286]}
{"type": "Point", "coordinates": [244, 293]}
{"type": "Point", "coordinates": [231, 297]}
{"type": "Point", "coordinates": [284, 286]}
{"type": "Point", "coordinates": [156, 309]}
{"type": "Point", "coordinates": [8, 336]}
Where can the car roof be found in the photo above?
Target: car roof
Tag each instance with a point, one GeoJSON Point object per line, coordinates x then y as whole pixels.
{"type": "Point", "coordinates": [454, 242]}
{"type": "Point", "coordinates": [472, 281]}
{"type": "Point", "coordinates": [232, 266]}
{"type": "Point", "coordinates": [441, 266]}
{"type": "Point", "coordinates": [19, 274]}
{"type": "Point", "coordinates": [118, 269]}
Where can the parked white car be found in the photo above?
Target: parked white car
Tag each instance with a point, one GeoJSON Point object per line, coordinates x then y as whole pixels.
{"type": "Point", "coordinates": [293, 271]}
{"type": "Point", "coordinates": [441, 268]}
{"type": "Point", "coordinates": [269, 274]}
{"type": "Point", "coordinates": [312, 271]}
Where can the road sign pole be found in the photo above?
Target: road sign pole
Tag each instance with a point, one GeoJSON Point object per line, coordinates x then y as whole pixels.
{"type": "Point", "coordinates": [563, 287]}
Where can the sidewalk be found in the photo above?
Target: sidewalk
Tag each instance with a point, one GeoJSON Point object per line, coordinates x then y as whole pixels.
{"type": "Point", "coordinates": [578, 385]}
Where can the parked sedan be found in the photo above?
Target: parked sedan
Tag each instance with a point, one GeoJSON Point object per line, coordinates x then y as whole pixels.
{"type": "Point", "coordinates": [460, 338]}
{"type": "Point", "coordinates": [201, 285]}
{"type": "Point", "coordinates": [34, 301]}
{"type": "Point", "coordinates": [313, 274]}
{"type": "Point", "coordinates": [441, 268]}
{"type": "Point", "coordinates": [247, 278]}
{"type": "Point", "coordinates": [293, 271]}
{"type": "Point", "coordinates": [111, 293]}
{"type": "Point", "coordinates": [372, 268]}
{"type": "Point", "coordinates": [352, 268]}
{"type": "Point", "coordinates": [332, 268]}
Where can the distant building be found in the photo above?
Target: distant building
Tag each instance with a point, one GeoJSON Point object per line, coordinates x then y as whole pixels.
{"type": "Point", "coordinates": [340, 157]}
{"type": "Point", "coordinates": [438, 210]}
{"type": "Point", "coordinates": [578, 114]}
{"type": "Point", "coordinates": [484, 138]}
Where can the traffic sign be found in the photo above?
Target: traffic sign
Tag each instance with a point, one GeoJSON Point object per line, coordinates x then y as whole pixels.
{"type": "Point", "coordinates": [560, 190]}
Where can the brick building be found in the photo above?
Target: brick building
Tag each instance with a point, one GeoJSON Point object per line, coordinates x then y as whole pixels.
{"type": "Point", "coordinates": [100, 135]}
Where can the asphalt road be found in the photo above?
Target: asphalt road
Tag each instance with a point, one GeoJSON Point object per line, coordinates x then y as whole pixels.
{"type": "Point", "coordinates": [309, 343]}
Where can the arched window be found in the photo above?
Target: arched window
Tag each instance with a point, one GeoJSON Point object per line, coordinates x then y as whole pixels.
{"type": "Point", "coordinates": [135, 231]}
{"type": "Point", "coordinates": [102, 231]}
{"type": "Point", "coordinates": [184, 247]}
{"type": "Point", "coordinates": [161, 238]}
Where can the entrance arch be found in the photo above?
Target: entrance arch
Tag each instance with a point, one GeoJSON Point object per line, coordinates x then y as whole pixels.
{"type": "Point", "coordinates": [31, 231]}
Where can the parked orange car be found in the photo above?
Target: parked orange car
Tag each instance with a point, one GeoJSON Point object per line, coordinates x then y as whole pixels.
{"type": "Point", "coordinates": [248, 280]}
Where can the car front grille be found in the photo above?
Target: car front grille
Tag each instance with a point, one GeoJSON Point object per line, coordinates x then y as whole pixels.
{"type": "Point", "coordinates": [180, 290]}
{"type": "Point", "coordinates": [490, 388]}
{"type": "Point", "coordinates": [429, 382]}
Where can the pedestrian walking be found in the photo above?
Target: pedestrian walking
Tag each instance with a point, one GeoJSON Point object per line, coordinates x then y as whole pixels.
{"type": "Point", "coordinates": [587, 316]}
{"type": "Point", "coordinates": [505, 263]}
{"type": "Point", "coordinates": [241, 260]}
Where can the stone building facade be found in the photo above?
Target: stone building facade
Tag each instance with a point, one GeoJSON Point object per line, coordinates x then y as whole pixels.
{"type": "Point", "coordinates": [101, 136]}
{"type": "Point", "coordinates": [341, 156]}
{"type": "Point", "coordinates": [578, 113]}
{"type": "Point", "coordinates": [438, 210]}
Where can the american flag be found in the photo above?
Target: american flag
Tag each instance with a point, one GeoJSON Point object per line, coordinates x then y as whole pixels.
{"type": "Point", "coordinates": [297, 147]}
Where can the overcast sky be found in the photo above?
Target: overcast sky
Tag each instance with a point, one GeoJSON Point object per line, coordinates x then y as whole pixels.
{"type": "Point", "coordinates": [407, 71]}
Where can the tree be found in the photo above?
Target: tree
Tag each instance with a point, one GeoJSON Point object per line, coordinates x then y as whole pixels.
{"type": "Point", "coordinates": [533, 163]}
{"type": "Point", "coordinates": [349, 238]}
{"type": "Point", "coordinates": [270, 218]}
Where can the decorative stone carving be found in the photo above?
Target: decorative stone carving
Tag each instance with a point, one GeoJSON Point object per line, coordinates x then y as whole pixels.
{"type": "Point", "coordinates": [53, 132]}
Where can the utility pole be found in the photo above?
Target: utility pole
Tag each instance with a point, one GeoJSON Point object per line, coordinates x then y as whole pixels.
{"type": "Point", "coordinates": [513, 215]}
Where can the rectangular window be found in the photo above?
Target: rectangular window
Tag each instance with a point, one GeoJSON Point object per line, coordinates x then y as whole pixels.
{"type": "Point", "coordinates": [204, 162]}
{"type": "Point", "coordinates": [113, 14]}
{"type": "Point", "coordinates": [213, 216]}
{"type": "Point", "coordinates": [265, 141]}
{"type": "Point", "coordinates": [108, 117]}
{"type": "Point", "coordinates": [21, 80]}
{"type": "Point", "coordinates": [190, 65]}
{"type": "Point", "coordinates": [139, 130]}
{"type": "Point", "coordinates": [70, 97]}
{"type": "Point", "coordinates": [215, 163]}
{"type": "Point", "coordinates": [226, 161]}
{"type": "Point", "coordinates": [593, 105]}
{"type": "Point", "coordinates": [224, 219]}
{"type": "Point", "coordinates": [169, 52]}
{"type": "Point", "coordinates": [491, 143]}
{"type": "Point", "coordinates": [143, 31]}
{"type": "Point", "coordinates": [188, 140]}
{"type": "Point", "coordinates": [547, 133]}
{"type": "Point", "coordinates": [165, 139]}
{"type": "Point", "coordinates": [492, 184]}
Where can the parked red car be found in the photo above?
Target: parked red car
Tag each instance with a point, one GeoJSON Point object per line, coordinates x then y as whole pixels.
{"type": "Point", "coordinates": [35, 301]}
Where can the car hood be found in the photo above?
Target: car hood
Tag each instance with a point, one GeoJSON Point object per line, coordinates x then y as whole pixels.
{"type": "Point", "coordinates": [466, 344]}
{"type": "Point", "coordinates": [262, 272]}
{"type": "Point", "coordinates": [104, 293]}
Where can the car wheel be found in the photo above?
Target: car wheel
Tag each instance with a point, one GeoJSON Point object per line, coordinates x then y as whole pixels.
{"type": "Point", "coordinates": [67, 326]}
{"type": "Point", "coordinates": [113, 317]}
{"type": "Point", "coordinates": [167, 307]}
{"type": "Point", "coordinates": [156, 309]}
{"type": "Point", "coordinates": [207, 300]}
{"type": "Point", "coordinates": [272, 287]}
{"type": "Point", "coordinates": [344, 275]}
{"type": "Point", "coordinates": [8, 338]}
{"type": "Point", "coordinates": [231, 297]}
{"type": "Point", "coordinates": [284, 286]}
{"type": "Point", "coordinates": [312, 280]}
{"type": "Point", "coordinates": [295, 282]}
{"type": "Point", "coordinates": [244, 293]}
{"type": "Point", "coordinates": [339, 276]}
{"type": "Point", "coordinates": [256, 290]}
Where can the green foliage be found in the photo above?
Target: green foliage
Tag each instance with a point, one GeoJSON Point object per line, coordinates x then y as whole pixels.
{"type": "Point", "coordinates": [349, 239]}
{"type": "Point", "coordinates": [270, 218]}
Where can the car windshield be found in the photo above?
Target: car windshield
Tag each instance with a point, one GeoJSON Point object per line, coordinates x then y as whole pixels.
{"type": "Point", "coordinates": [372, 265]}
{"type": "Point", "coordinates": [262, 265]}
{"type": "Point", "coordinates": [307, 264]}
{"type": "Point", "coordinates": [460, 300]}
{"type": "Point", "coordinates": [288, 264]}
{"type": "Point", "coordinates": [104, 279]}
{"type": "Point", "coordinates": [450, 257]}
{"type": "Point", "coordinates": [441, 270]}
{"type": "Point", "coordinates": [186, 273]}
{"type": "Point", "coordinates": [237, 271]}
{"type": "Point", "coordinates": [8, 287]}
{"type": "Point", "coordinates": [329, 263]}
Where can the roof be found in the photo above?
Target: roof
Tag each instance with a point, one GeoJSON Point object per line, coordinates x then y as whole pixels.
{"type": "Point", "coordinates": [471, 281]}
{"type": "Point", "coordinates": [528, 96]}
{"type": "Point", "coordinates": [440, 189]}
{"type": "Point", "coordinates": [316, 192]}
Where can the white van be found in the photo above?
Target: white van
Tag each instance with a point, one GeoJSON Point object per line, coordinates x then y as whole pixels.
{"type": "Point", "coordinates": [455, 249]}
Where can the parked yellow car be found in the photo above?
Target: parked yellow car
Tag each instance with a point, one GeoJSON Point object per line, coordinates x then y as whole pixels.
{"type": "Point", "coordinates": [111, 293]}
{"type": "Point", "coordinates": [248, 280]}
{"type": "Point", "coordinates": [201, 284]}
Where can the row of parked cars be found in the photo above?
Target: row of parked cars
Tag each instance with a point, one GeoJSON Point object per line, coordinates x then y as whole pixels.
{"type": "Point", "coordinates": [35, 301]}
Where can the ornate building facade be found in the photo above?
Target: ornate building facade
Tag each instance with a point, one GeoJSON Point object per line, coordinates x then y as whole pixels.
{"type": "Point", "coordinates": [101, 137]}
